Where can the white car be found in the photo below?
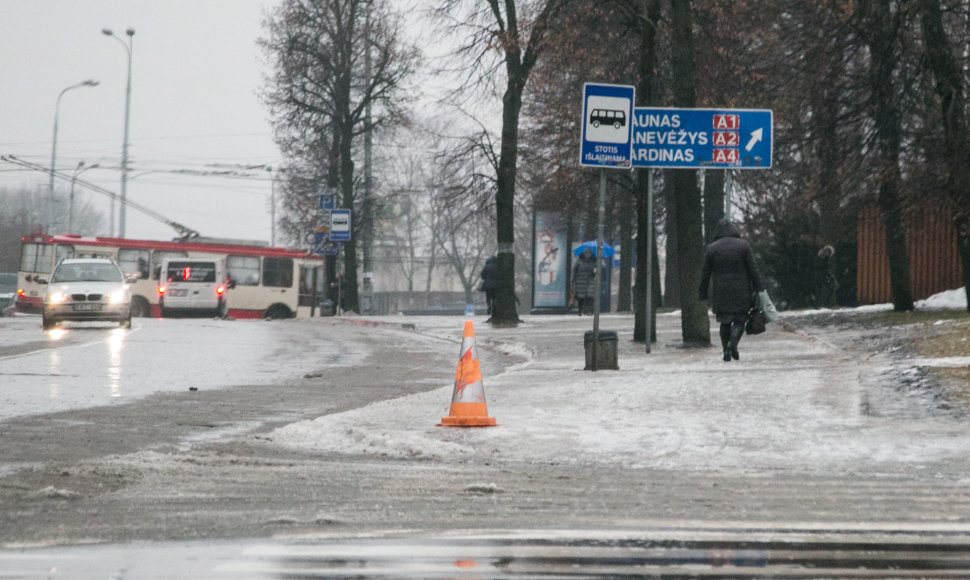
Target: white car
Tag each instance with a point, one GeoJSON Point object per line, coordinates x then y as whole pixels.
{"type": "Point", "coordinates": [87, 289]}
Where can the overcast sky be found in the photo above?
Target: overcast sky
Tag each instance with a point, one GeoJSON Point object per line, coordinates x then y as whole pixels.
{"type": "Point", "coordinates": [196, 74]}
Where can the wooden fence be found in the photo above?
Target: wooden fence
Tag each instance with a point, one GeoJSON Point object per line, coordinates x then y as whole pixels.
{"type": "Point", "coordinates": [934, 261]}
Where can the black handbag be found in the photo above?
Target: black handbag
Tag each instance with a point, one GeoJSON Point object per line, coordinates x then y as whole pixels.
{"type": "Point", "coordinates": [755, 324]}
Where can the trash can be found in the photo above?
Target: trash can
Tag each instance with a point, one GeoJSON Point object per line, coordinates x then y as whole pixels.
{"type": "Point", "coordinates": [606, 357]}
{"type": "Point", "coordinates": [326, 308]}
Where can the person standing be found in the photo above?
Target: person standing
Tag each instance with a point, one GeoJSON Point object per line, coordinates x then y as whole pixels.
{"type": "Point", "coordinates": [825, 282]}
{"type": "Point", "coordinates": [729, 261]}
{"type": "Point", "coordinates": [489, 277]}
{"type": "Point", "coordinates": [584, 281]}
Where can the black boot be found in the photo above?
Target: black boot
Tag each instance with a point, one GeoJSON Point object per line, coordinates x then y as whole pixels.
{"type": "Point", "coordinates": [737, 331]}
{"type": "Point", "coordinates": [725, 341]}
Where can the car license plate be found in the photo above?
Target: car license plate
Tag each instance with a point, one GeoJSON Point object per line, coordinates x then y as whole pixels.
{"type": "Point", "coordinates": [180, 292]}
{"type": "Point", "coordinates": [87, 307]}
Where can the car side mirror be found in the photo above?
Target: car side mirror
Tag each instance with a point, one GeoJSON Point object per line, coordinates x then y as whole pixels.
{"type": "Point", "coordinates": [131, 278]}
{"type": "Point", "coordinates": [40, 280]}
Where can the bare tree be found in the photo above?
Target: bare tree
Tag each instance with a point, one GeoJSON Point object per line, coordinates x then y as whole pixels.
{"type": "Point", "coordinates": [18, 217]}
{"type": "Point", "coordinates": [881, 25]}
{"type": "Point", "coordinates": [505, 34]}
{"type": "Point", "coordinates": [319, 95]}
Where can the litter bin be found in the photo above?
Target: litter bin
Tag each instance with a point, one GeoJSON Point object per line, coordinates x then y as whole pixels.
{"type": "Point", "coordinates": [606, 357]}
{"type": "Point", "coordinates": [326, 308]}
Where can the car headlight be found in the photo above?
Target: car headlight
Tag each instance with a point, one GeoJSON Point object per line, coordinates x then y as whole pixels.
{"type": "Point", "coordinates": [56, 297]}
{"type": "Point", "coordinates": [118, 297]}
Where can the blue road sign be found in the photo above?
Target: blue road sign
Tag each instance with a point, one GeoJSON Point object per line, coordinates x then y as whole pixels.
{"type": "Point", "coordinates": [340, 225]}
{"type": "Point", "coordinates": [327, 248]}
{"type": "Point", "coordinates": [606, 125]}
{"type": "Point", "coordinates": [702, 138]}
{"type": "Point", "coordinates": [326, 201]}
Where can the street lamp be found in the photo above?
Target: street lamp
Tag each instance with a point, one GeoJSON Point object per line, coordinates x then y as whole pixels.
{"type": "Point", "coordinates": [272, 204]}
{"type": "Point", "coordinates": [124, 147]}
{"type": "Point", "coordinates": [70, 212]}
{"type": "Point", "coordinates": [50, 190]}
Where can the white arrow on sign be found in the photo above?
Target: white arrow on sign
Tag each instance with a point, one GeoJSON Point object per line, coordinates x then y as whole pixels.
{"type": "Point", "coordinates": [755, 139]}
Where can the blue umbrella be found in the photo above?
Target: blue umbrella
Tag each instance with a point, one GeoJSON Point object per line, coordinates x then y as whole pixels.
{"type": "Point", "coordinates": [607, 249]}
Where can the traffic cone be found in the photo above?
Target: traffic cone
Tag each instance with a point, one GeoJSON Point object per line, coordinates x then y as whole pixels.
{"type": "Point", "coordinates": [468, 401]}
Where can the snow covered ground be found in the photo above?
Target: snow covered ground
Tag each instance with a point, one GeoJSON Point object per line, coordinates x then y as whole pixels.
{"type": "Point", "coordinates": [794, 402]}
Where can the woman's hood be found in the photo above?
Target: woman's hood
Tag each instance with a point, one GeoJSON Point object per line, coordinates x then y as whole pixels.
{"type": "Point", "coordinates": [726, 229]}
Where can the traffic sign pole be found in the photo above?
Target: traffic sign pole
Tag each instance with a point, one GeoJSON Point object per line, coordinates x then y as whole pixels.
{"type": "Point", "coordinates": [607, 129]}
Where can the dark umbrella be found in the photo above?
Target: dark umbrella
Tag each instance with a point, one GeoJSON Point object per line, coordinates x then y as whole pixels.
{"type": "Point", "coordinates": [607, 249]}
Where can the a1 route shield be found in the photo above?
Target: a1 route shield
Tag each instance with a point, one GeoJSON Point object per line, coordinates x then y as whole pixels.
{"type": "Point", "coordinates": [606, 125]}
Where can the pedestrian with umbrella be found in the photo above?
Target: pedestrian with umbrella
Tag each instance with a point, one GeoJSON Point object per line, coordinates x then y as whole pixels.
{"type": "Point", "coordinates": [584, 275]}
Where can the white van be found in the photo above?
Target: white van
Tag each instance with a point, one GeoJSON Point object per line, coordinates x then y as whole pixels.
{"type": "Point", "coordinates": [192, 286]}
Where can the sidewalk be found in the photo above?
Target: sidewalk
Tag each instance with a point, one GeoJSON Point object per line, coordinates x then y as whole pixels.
{"type": "Point", "coordinates": [793, 404]}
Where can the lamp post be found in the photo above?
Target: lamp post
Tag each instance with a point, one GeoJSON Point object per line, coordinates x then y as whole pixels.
{"type": "Point", "coordinates": [50, 189]}
{"type": "Point", "coordinates": [272, 204]}
{"type": "Point", "coordinates": [70, 212]}
{"type": "Point", "coordinates": [124, 146]}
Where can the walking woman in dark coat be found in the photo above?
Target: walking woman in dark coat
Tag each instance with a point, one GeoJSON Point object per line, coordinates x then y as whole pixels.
{"type": "Point", "coordinates": [730, 262]}
{"type": "Point", "coordinates": [489, 277]}
{"type": "Point", "coordinates": [584, 281]}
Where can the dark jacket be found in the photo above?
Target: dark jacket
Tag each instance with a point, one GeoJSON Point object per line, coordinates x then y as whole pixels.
{"type": "Point", "coordinates": [490, 274]}
{"type": "Point", "coordinates": [584, 277]}
{"type": "Point", "coordinates": [730, 262]}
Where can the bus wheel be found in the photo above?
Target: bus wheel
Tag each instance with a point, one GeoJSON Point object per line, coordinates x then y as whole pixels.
{"type": "Point", "coordinates": [277, 311]}
{"type": "Point", "coordinates": [140, 308]}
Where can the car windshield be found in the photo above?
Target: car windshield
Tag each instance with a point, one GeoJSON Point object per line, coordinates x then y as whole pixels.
{"type": "Point", "coordinates": [87, 273]}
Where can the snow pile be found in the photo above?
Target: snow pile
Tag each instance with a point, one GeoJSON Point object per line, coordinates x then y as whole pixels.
{"type": "Point", "coordinates": [949, 300]}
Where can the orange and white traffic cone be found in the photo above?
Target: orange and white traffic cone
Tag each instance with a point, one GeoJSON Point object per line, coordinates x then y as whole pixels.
{"type": "Point", "coordinates": [468, 401]}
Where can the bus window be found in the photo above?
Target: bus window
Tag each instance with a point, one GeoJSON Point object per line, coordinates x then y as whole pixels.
{"type": "Point", "coordinates": [311, 282]}
{"type": "Point", "coordinates": [36, 258]}
{"type": "Point", "coordinates": [278, 272]}
{"type": "Point", "coordinates": [243, 270]}
{"type": "Point", "coordinates": [134, 262]}
{"type": "Point", "coordinates": [159, 257]}
{"type": "Point", "coordinates": [63, 253]}
{"type": "Point", "coordinates": [90, 254]}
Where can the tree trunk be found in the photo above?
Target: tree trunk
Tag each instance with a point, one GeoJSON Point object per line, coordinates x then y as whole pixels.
{"type": "Point", "coordinates": [881, 33]}
{"type": "Point", "coordinates": [829, 192]}
{"type": "Point", "coordinates": [695, 328]}
{"type": "Point", "coordinates": [504, 310]}
{"type": "Point", "coordinates": [349, 288]}
{"type": "Point", "coordinates": [713, 201]}
{"type": "Point", "coordinates": [333, 186]}
{"type": "Point", "coordinates": [956, 152]}
{"type": "Point", "coordinates": [671, 280]}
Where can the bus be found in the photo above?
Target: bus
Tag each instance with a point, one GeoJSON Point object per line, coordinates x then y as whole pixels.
{"type": "Point", "coordinates": [265, 282]}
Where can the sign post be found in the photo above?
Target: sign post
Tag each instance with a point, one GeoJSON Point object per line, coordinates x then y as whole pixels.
{"type": "Point", "coordinates": [607, 129]}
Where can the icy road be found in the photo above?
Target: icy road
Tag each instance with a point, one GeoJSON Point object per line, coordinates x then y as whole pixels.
{"type": "Point", "coordinates": [213, 429]}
